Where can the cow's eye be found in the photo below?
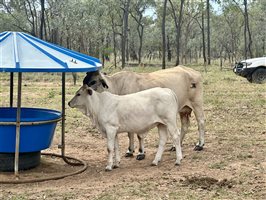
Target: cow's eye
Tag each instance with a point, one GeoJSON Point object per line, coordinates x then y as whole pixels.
{"type": "Point", "coordinates": [78, 94]}
{"type": "Point", "coordinates": [92, 83]}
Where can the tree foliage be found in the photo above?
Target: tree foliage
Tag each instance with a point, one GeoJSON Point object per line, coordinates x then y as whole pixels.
{"type": "Point", "coordinates": [130, 30]}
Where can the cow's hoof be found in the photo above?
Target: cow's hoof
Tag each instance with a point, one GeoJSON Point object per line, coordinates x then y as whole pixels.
{"type": "Point", "coordinates": [108, 169]}
{"type": "Point", "coordinates": [177, 163]}
{"type": "Point", "coordinates": [129, 155]}
{"type": "Point", "coordinates": [116, 166]}
{"type": "Point", "coordinates": [155, 163]}
{"type": "Point", "coordinates": [198, 148]}
{"type": "Point", "coordinates": [140, 157]}
{"type": "Point", "coordinates": [172, 149]}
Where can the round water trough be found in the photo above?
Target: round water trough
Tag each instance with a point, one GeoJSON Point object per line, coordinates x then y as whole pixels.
{"type": "Point", "coordinates": [24, 53]}
{"type": "Point", "coordinates": [36, 133]}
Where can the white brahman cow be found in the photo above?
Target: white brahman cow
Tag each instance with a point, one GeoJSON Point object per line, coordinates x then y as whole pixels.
{"type": "Point", "coordinates": [135, 113]}
{"type": "Point", "coordinates": [184, 81]}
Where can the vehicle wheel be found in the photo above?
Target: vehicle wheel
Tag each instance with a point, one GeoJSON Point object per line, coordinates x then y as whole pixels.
{"type": "Point", "coordinates": [249, 78]}
{"type": "Point", "coordinates": [259, 75]}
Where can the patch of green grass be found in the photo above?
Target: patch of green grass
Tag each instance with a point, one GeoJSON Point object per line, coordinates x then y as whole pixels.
{"type": "Point", "coordinates": [234, 110]}
{"type": "Point", "coordinates": [218, 165]}
{"type": "Point", "coordinates": [106, 196]}
{"type": "Point", "coordinates": [243, 156]}
{"type": "Point", "coordinates": [18, 197]}
{"type": "Point", "coordinates": [51, 94]}
{"type": "Point", "coordinates": [196, 156]}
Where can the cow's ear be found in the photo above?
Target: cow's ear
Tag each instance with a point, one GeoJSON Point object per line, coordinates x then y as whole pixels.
{"type": "Point", "coordinates": [89, 91]}
{"type": "Point", "coordinates": [104, 84]}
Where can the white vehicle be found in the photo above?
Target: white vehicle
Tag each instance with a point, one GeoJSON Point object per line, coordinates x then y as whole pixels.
{"type": "Point", "coordinates": [253, 69]}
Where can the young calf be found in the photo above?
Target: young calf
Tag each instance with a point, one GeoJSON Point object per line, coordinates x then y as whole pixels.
{"type": "Point", "coordinates": [137, 112]}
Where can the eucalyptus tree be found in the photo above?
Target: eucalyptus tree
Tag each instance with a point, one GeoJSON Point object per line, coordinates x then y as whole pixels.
{"type": "Point", "coordinates": [114, 17]}
{"type": "Point", "coordinates": [189, 41]}
{"type": "Point", "coordinates": [23, 13]}
{"type": "Point", "coordinates": [208, 32]}
{"type": "Point", "coordinates": [152, 39]}
{"type": "Point", "coordinates": [258, 27]}
{"type": "Point", "coordinates": [247, 41]}
{"type": "Point", "coordinates": [122, 29]}
{"type": "Point", "coordinates": [42, 18]}
{"type": "Point", "coordinates": [137, 10]}
{"type": "Point", "coordinates": [163, 33]}
{"type": "Point", "coordinates": [125, 8]}
{"type": "Point", "coordinates": [178, 25]}
{"type": "Point", "coordinates": [7, 21]}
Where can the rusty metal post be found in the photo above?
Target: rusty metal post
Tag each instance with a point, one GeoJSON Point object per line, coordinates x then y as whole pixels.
{"type": "Point", "coordinates": [18, 125]}
{"type": "Point", "coordinates": [62, 146]}
{"type": "Point", "coordinates": [63, 114]}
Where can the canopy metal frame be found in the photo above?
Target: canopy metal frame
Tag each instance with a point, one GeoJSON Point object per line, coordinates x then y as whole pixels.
{"type": "Point", "coordinates": [18, 123]}
{"type": "Point", "coordinates": [52, 58]}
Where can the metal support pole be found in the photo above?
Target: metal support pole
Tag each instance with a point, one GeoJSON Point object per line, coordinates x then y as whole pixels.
{"type": "Point", "coordinates": [63, 113]}
{"type": "Point", "coordinates": [62, 146]}
{"type": "Point", "coordinates": [18, 125]}
{"type": "Point", "coordinates": [11, 89]}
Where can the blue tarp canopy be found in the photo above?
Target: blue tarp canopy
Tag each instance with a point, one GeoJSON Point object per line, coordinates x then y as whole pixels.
{"type": "Point", "coordinates": [21, 52]}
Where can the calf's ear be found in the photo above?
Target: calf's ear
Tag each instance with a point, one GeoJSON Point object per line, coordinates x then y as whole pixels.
{"type": "Point", "coordinates": [104, 83]}
{"type": "Point", "coordinates": [89, 91]}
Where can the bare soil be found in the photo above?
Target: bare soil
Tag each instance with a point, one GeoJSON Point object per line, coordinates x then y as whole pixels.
{"type": "Point", "coordinates": [231, 166]}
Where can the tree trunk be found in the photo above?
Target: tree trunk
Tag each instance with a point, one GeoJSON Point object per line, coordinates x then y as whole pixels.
{"type": "Point", "coordinates": [178, 26]}
{"type": "Point", "coordinates": [221, 60]}
{"type": "Point", "coordinates": [140, 32]}
{"type": "Point", "coordinates": [179, 32]}
{"type": "Point", "coordinates": [42, 19]}
{"type": "Point", "coordinates": [208, 32]}
{"type": "Point", "coordinates": [102, 51]}
{"type": "Point", "coordinates": [31, 21]}
{"type": "Point", "coordinates": [55, 36]}
{"type": "Point", "coordinates": [263, 46]}
{"type": "Point", "coordinates": [114, 41]}
{"type": "Point", "coordinates": [127, 48]}
{"type": "Point", "coordinates": [169, 54]}
{"type": "Point", "coordinates": [163, 34]}
{"type": "Point", "coordinates": [203, 36]}
{"type": "Point", "coordinates": [245, 33]}
{"type": "Point", "coordinates": [247, 29]}
{"type": "Point", "coordinates": [125, 29]}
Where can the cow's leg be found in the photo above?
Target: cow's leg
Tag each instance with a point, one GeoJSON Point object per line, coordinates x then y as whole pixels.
{"type": "Point", "coordinates": [117, 153]}
{"type": "Point", "coordinates": [110, 148]}
{"type": "Point", "coordinates": [199, 114]}
{"type": "Point", "coordinates": [184, 118]}
{"type": "Point", "coordinates": [130, 150]}
{"type": "Point", "coordinates": [175, 134]}
{"type": "Point", "coordinates": [163, 135]}
{"type": "Point", "coordinates": [141, 154]}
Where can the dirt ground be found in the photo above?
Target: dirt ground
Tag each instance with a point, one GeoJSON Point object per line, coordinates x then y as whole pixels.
{"type": "Point", "coordinates": [231, 166]}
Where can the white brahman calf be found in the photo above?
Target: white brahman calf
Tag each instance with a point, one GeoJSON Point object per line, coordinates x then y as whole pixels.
{"type": "Point", "coordinates": [185, 82]}
{"type": "Point", "coordinates": [137, 112]}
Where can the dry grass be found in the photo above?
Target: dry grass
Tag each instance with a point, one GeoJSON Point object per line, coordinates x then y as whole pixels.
{"type": "Point", "coordinates": [232, 165]}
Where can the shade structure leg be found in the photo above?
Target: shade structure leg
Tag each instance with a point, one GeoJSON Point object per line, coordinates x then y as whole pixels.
{"type": "Point", "coordinates": [63, 146]}
{"type": "Point", "coordinates": [11, 91]}
{"type": "Point", "coordinates": [63, 114]}
{"type": "Point", "coordinates": [18, 125]}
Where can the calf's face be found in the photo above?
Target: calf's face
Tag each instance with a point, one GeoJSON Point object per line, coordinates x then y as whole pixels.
{"type": "Point", "coordinates": [95, 81]}
{"type": "Point", "coordinates": [80, 98]}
